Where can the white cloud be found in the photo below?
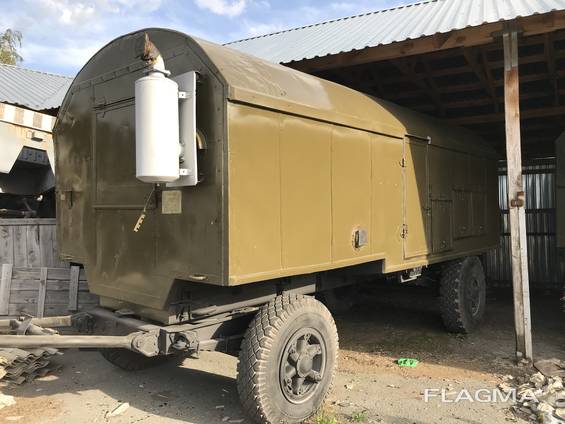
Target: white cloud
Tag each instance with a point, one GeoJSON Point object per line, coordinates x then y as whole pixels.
{"type": "Point", "coordinates": [78, 12]}
{"type": "Point", "coordinates": [61, 35]}
{"type": "Point", "coordinates": [343, 6]}
{"type": "Point", "coordinates": [223, 7]}
{"type": "Point", "coordinates": [262, 29]}
{"type": "Point", "coordinates": [140, 5]}
{"type": "Point", "coordinates": [66, 56]}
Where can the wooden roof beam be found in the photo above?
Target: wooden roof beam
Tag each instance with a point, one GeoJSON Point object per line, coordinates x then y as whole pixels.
{"type": "Point", "coordinates": [550, 60]}
{"type": "Point", "coordinates": [460, 88]}
{"type": "Point", "coordinates": [467, 37]}
{"type": "Point", "coordinates": [499, 117]}
{"type": "Point", "coordinates": [407, 67]}
{"type": "Point", "coordinates": [459, 70]}
{"type": "Point", "coordinates": [471, 55]}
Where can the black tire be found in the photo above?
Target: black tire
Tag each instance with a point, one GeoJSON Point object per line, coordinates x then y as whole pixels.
{"type": "Point", "coordinates": [291, 329]}
{"type": "Point", "coordinates": [339, 300]}
{"type": "Point", "coordinates": [462, 294]}
{"type": "Point", "coordinates": [131, 361]}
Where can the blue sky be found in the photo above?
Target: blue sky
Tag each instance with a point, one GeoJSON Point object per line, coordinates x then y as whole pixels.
{"type": "Point", "coordinates": [61, 35]}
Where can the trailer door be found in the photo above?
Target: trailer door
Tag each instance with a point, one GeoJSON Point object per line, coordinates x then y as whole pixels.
{"type": "Point", "coordinates": [416, 208]}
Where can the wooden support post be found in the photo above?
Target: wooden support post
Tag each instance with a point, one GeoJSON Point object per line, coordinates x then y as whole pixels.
{"type": "Point", "coordinates": [516, 198]}
{"type": "Point", "coordinates": [5, 287]}
{"type": "Point", "coordinates": [42, 293]}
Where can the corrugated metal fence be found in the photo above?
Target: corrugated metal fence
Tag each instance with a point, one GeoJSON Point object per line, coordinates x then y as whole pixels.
{"type": "Point", "coordinates": [539, 186]}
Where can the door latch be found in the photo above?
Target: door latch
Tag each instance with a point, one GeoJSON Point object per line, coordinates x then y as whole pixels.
{"type": "Point", "coordinates": [404, 231]}
{"type": "Point", "coordinates": [519, 201]}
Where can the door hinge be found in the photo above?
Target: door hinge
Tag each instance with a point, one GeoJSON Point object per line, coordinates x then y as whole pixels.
{"type": "Point", "coordinates": [403, 163]}
{"type": "Point", "coordinates": [404, 231]}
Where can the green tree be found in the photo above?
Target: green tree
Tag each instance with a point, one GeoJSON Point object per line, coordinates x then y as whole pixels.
{"type": "Point", "coordinates": [10, 41]}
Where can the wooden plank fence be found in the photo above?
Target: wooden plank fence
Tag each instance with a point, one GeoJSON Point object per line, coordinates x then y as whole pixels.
{"type": "Point", "coordinates": [33, 279]}
{"type": "Point", "coordinates": [29, 243]}
{"type": "Point", "coordinates": [44, 291]}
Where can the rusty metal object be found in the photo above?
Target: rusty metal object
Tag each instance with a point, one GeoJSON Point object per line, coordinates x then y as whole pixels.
{"type": "Point", "coordinates": [17, 365]}
{"type": "Point", "coordinates": [519, 201]}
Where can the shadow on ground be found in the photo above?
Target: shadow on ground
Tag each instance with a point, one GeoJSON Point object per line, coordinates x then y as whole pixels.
{"type": "Point", "coordinates": [387, 324]}
{"type": "Point", "coordinates": [204, 395]}
{"type": "Point", "coordinates": [405, 322]}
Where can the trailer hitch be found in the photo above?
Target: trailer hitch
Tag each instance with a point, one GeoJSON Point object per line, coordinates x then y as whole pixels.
{"type": "Point", "coordinates": [141, 342]}
{"type": "Point", "coordinates": [31, 333]}
{"type": "Point", "coordinates": [125, 332]}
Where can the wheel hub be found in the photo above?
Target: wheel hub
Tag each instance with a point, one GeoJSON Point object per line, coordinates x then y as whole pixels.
{"type": "Point", "coordinates": [474, 294]}
{"type": "Point", "coordinates": [302, 365]}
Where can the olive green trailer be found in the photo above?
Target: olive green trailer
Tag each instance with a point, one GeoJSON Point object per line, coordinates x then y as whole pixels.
{"type": "Point", "coordinates": [257, 186]}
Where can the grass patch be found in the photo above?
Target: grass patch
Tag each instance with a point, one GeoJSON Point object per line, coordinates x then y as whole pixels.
{"type": "Point", "coordinates": [325, 419]}
{"type": "Point", "coordinates": [359, 417]}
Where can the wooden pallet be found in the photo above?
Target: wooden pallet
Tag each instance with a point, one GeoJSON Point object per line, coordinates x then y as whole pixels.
{"type": "Point", "coordinates": [34, 280]}
{"type": "Point", "coordinates": [44, 291]}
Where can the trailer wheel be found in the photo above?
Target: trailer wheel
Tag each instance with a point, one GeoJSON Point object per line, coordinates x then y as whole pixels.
{"type": "Point", "coordinates": [462, 294]}
{"type": "Point", "coordinates": [287, 360]}
{"type": "Point", "coordinates": [131, 361]}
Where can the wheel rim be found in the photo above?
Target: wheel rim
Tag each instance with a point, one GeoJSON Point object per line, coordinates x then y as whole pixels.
{"type": "Point", "coordinates": [474, 296]}
{"type": "Point", "coordinates": [302, 365]}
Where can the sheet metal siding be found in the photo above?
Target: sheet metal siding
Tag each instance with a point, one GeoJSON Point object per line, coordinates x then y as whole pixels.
{"type": "Point", "coordinates": [539, 186]}
{"type": "Point", "coordinates": [32, 89]}
{"type": "Point", "coordinates": [388, 26]}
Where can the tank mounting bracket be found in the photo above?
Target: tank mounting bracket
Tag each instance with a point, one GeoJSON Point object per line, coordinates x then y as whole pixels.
{"type": "Point", "coordinates": [188, 175]}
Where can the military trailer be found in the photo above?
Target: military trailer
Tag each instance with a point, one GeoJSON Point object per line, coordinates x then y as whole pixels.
{"type": "Point", "coordinates": [212, 196]}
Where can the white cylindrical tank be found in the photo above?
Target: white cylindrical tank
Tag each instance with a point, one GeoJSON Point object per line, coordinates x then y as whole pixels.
{"type": "Point", "coordinates": [156, 129]}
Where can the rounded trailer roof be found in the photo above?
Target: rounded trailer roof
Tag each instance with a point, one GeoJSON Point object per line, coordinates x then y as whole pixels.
{"type": "Point", "coordinates": [251, 80]}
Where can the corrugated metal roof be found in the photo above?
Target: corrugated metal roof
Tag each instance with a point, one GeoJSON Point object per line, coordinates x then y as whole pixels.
{"type": "Point", "coordinates": [388, 26]}
{"type": "Point", "coordinates": [32, 89]}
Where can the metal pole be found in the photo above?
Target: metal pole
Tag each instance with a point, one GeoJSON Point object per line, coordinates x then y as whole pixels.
{"type": "Point", "coordinates": [516, 198]}
{"type": "Point", "coordinates": [60, 321]}
{"type": "Point", "coordinates": [62, 342]}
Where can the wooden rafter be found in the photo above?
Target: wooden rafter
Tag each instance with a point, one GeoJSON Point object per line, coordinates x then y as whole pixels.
{"type": "Point", "coordinates": [471, 54]}
{"type": "Point", "coordinates": [462, 84]}
{"type": "Point", "coordinates": [550, 60]}
{"type": "Point", "coordinates": [498, 64]}
{"type": "Point", "coordinates": [407, 67]}
{"type": "Point", "coordinates": [499, 117]}
{"type": "Point", "coordinates": [488, 73]}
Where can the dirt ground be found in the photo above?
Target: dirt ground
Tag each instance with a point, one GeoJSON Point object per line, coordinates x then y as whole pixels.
{"type": "Point", "coordinates": [370, 387]}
